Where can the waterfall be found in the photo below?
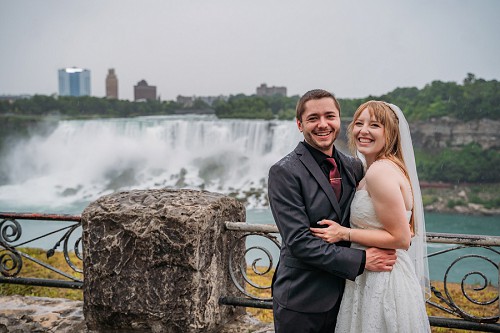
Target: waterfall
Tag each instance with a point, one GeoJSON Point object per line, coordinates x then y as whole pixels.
{"type": "Point", "coordinates": [81, 160]}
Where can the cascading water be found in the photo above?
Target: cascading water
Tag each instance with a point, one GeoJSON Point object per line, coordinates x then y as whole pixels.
{"type": "Point", "coordinates": [80, 161]}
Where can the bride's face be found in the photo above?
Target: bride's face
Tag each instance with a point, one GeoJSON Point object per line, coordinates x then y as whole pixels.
{"type": "Point", "coordinates": [368, 134]}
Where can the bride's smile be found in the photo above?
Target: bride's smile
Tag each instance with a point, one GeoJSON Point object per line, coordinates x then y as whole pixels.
{"type": "Point", "coordinates": [369, 134]}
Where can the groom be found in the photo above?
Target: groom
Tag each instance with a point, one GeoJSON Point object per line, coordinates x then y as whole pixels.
{"type": "Point", "coordinates": [309, 280]}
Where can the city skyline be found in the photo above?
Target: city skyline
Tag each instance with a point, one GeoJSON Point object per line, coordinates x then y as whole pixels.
{"type": "Point", "coordinates": [226, 48]}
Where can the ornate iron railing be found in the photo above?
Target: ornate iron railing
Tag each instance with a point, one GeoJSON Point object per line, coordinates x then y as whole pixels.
{"type": "Point", "coordinates": [262, 262]}
{"type": "Point", "coordinates": [480, 294]}
{"type": "Point", "coordinates": [13, 250]}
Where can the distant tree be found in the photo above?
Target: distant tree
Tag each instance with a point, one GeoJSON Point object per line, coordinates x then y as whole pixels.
{"type": "Point", "coordinates": [469, 164]}
{"type": "Point", "coordinates": [199, 104]}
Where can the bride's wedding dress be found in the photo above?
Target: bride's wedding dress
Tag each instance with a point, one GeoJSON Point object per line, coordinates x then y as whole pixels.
{"type": "Point", "coordinates": [381, 301]}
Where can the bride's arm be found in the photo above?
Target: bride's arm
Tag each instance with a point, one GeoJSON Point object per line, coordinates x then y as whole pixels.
{"type": "Point", "coordinates": [384, 189]}
{"type": "Point", "coordinates": [385, 185]}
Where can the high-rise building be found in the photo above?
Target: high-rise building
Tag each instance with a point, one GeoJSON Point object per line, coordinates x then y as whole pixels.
{"type": "Point", "coordinates": [111, 84]}
{"type": "Point", "coordinates": [142, 91]}
{"type": "Point", "coordinates": [74, 82]}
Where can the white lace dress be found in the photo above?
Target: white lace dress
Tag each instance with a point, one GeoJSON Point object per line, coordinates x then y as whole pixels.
{"type": "Point", "coordinates": [381, 301]}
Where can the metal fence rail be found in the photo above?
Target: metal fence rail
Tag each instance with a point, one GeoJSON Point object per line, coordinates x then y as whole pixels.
{"type": "Point", "coordinates": [13, 256]}
{"type": "Point", "coordinates": [446, 303]}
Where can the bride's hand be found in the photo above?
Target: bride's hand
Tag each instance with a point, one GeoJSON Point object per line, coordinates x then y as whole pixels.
{"type": "Point", "coordinates": [331, 234]}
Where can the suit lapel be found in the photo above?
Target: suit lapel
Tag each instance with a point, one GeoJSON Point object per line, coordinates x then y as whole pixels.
{"type": "Point", "coordinates": [347, 168]}
{"type": "Point", "coordinates": [349, 183]}
{"type": "Point", "coordinates": [313, 167]}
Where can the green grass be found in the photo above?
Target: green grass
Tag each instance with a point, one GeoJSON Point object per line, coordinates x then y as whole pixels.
{"type": "Point", "coordinates": [33, 270]}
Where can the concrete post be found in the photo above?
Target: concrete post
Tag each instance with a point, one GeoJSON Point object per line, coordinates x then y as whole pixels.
{"type": "Point", "coordinates": [157, 260]}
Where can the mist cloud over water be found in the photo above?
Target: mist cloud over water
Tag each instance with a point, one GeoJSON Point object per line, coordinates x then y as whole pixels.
{"type": "Point", "coordinates": [79, 161]}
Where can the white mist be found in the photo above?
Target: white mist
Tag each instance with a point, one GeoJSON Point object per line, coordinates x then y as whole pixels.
{"type": "Point", "coordinates": [80, 161]}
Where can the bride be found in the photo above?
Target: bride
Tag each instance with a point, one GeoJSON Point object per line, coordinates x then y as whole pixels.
{"type": "Point", "coordinates": [386, 212]}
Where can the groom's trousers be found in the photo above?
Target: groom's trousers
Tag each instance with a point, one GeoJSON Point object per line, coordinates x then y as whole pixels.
{"type": "Point", "coordinates": [288, 321]}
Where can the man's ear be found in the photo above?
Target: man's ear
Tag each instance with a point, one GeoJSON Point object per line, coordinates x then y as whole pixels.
{"type": "Point", "coordinates": [299, 125]}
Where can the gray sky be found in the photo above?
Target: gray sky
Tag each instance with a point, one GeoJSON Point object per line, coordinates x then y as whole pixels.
{"type": "Point", "coordinates": [205, 48]}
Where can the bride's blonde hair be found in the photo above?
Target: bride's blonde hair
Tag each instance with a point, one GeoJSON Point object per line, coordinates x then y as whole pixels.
{"type": "Point", "coordinates": [392, 148]}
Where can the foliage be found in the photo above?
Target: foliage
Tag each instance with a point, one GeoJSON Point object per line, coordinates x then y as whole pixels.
{"type": "Point", "coordinates": [428, 199]}
{"type": "Point", "coordinates": [474, 99]}
{"type": "Point", "coordinates": [453, 203]}
{"type": "Point", "coordinates": [85, 107]}
{"type": "Point", "coordinates": [469, 164]}
{"type": "Point", "coordinates": [485, 194]}
{"type": "Point", "coordinates": [241, 106]}
{"type": "Point", "coordinates": [349, 106]}
{"type": "Point", "coordinates": [256, 107]}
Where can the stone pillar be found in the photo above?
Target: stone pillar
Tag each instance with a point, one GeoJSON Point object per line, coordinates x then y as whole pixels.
{"type": "Point", "coordinates": [157, 260]}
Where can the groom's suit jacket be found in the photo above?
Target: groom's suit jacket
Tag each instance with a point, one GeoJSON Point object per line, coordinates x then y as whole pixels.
{"type": "Point", "coordinates": [311, 273]}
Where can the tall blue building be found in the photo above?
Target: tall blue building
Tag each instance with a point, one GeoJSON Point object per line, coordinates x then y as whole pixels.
{"type": "Point", "coordinates": [74, 82]}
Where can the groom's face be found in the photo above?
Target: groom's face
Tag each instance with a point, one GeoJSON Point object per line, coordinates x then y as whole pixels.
{"type": "Point", "coordinates": [320, 124]}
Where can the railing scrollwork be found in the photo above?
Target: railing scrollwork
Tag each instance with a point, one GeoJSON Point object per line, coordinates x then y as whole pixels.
{"type": "Point", "coordinates": [258, 266]}
{"type": "Point", "coordinates": [444, 298]}
{"type": "Point", "coordinates": [12, 256]}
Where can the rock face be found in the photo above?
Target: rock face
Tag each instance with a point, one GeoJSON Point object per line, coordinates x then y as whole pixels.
{"type": "Point", "coordinates": [448, 132]}
{"type": "Point", "coordinates": [157, 260]}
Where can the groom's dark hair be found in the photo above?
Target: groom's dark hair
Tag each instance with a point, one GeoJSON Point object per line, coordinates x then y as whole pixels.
{"type": "Point", "coordinates": [310, 95]}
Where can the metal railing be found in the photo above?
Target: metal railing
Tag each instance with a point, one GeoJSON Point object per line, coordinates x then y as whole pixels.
{"type": "Point", "coordinates": [443, 299]}
{"type": "Point", "coordinates": [13, 254]}
{"type": "Point", "coordinates": [253, 294]}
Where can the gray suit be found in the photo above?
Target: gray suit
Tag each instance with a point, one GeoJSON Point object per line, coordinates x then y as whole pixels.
{"type": "Point", "coordinates": [311, 273]}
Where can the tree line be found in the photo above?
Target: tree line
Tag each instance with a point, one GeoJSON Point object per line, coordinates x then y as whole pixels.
{"type": "Point", "coordinates": [475, 98]}
{"type": "Point", "coordinates": [85, 106]}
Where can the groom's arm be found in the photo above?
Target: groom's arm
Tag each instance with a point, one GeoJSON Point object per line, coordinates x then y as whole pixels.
{"type": "Point", "coordinates": [291, 216]}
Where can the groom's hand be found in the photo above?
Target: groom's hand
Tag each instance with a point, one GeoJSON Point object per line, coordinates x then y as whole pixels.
{"type": "Point", "coordinates": [380, 260]}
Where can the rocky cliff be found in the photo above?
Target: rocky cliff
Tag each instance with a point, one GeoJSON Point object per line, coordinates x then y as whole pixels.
{"type": "Point", "coordinates": [447, 132]}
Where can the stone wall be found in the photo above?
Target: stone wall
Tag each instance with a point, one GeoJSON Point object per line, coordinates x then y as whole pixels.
{"type": "Point", "coordinates": [157, 260]}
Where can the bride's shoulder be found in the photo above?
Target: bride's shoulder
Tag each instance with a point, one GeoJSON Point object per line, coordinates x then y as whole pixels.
{"type": "Point", "coordinates": [382, 170]}
{"type": "Point", "coordinates": [382, 166]}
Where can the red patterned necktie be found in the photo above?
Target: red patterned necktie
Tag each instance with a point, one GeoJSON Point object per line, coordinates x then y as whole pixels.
{"type": "Point", "coordinates": [334, 177]}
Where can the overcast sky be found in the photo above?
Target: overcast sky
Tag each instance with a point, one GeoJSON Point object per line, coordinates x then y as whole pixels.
{"type": "Point", "coordinates": [213, 47]}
